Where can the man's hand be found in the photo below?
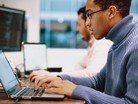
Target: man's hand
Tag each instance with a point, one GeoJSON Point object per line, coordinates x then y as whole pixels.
{"type": "Point", "coordinates": [35, 74]}
{"type": "Point", "coordinates": [55, 85]}
{"type": "Point", "coordinates": [44, 81]}
{"type": "Point", "coordinates": [63, 87]}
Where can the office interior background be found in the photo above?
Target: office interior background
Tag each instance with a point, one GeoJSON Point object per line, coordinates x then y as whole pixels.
{"type": "Point", "coordinates": [53, 22]}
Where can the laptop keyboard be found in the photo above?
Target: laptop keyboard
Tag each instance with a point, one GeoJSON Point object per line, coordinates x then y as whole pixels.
{"type": "Point", "coordinates": [30, 91]}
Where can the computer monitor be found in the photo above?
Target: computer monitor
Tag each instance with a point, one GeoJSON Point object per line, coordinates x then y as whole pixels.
{"type": "Point", "coordinates": [11, 28]}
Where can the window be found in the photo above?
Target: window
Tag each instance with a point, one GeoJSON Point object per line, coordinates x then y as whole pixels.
{"type": "Point", "coordinates": [58, 23]}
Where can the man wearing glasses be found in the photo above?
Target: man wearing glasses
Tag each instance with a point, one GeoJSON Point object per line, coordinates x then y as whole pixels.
{"type": "Point", "coordinates": [117, 82]}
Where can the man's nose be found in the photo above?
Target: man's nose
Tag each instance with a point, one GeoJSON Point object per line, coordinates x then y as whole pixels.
{"type": "Point", "coordinates": [87, 23]}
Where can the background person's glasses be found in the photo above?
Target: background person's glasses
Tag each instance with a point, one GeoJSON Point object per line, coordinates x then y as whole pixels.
{"type": "Point", "coordinates": [89, 15]}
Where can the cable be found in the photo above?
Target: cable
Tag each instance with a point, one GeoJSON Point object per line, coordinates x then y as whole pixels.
{"type": "Point", "coordinates": [17, 100]}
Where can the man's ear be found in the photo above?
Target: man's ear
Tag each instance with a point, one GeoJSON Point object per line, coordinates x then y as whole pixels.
{"type": "Point", "coordinates": [112, 12]}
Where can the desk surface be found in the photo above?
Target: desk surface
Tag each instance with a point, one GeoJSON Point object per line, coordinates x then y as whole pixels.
{"type": "Point", "coordinates": [5, 100]}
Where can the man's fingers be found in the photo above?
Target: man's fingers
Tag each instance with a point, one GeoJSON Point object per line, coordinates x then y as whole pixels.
{"type": "Point", "coordinates": [39, 82]}
{"type": "Point", "coordinates": [64, 87]}
{"type": "Point", "coordinates": [54, 84]}
{"type": "Point", "coordinates": [33, 78]}
{"type": "Point", "coordinates": [45, 80]}
{"type": "Point", "coordinates": [53, 90]}
{"type": "Point", "coordinates": [36, 83]}
{"type": "Point", "coordinates": [34, 73]}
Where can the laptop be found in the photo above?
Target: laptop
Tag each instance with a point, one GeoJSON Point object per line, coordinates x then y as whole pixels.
{"type": "Point", "coordinates": [35, 58]}
{"type": "Point", "coordinates": [13, 88]}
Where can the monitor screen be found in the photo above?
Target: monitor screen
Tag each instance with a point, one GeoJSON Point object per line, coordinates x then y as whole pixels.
{"type": "Point", "coordinates": [11, 28]}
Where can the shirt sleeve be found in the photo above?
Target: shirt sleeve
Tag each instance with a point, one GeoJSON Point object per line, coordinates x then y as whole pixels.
{"type": "Point", "coordinates": [96, 82]}
{"type": "Point", "coordinates": [92, 96]}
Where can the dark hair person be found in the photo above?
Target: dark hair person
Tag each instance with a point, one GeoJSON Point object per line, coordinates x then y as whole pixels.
{"type": "Point", "coordinates": [117, 82]}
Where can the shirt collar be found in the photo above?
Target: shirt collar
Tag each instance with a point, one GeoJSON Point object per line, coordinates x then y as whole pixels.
{"type": "Point", "coordinates": [120, 30]}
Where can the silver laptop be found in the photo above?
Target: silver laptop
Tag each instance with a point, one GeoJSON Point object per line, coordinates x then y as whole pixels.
{"type": "Point", "coordinates": [35, 57]}
{"type": "Point", "coordinates": [14, 90]}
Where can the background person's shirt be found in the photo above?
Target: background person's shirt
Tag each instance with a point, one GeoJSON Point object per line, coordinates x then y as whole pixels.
{"type": "Point", "coordinates": [94, 60]}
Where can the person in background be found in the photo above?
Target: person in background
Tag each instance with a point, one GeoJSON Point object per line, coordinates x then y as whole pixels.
{"type": "Point", "coordinates": [97, 52]}
{"type": "Point", "coordinates": [117, 82]}
{"type": "Point", "coordinates": [96, 56]}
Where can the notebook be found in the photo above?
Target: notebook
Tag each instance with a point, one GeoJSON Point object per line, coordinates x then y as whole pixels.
{"type": "Point", "coordinates": [35, 58]}
{"type": "Point", "coordinates": [13, 88]}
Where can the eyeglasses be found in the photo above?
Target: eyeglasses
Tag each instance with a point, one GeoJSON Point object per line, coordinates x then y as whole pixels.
{"type": "Point", "coordinates": [89, 15]}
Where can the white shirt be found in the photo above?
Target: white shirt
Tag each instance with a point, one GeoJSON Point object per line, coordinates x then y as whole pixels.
{"type": "Point", "coordinates": [94, 60]}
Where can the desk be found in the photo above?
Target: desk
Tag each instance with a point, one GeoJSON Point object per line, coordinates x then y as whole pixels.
{"type": "Point", "coordinates": [5, 100]}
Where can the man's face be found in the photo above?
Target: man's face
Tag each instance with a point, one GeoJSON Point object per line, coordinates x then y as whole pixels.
{"type": "Point", "coordinates": [81, 27]}
{"type": "Point", "coordinates": [98, 22]}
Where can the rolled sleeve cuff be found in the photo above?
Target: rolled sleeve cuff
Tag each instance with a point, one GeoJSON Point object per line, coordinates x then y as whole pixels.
{"type": "Point", "coordinates": [78, 92]}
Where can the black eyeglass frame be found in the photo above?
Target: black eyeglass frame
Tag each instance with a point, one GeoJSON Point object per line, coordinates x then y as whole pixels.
{"type": "Point", "coordinates": [89, 15]}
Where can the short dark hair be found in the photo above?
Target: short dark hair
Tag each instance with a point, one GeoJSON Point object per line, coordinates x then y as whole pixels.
{"type": "Point", "coordinates": [82, 10]}
{"type": "Point", "coordinates": [123, 6]}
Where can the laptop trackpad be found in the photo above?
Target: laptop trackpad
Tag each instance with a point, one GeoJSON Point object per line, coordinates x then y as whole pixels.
{"type": "Point", "coordinates": [49, 97]}
{"type": "Point", "coordinates": [53, 95]}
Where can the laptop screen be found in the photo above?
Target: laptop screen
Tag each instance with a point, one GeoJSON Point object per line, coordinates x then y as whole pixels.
{"type": "Point", "coordinates": [34, 56]}
{"type": "Point", "coordinates": [7, 75]}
